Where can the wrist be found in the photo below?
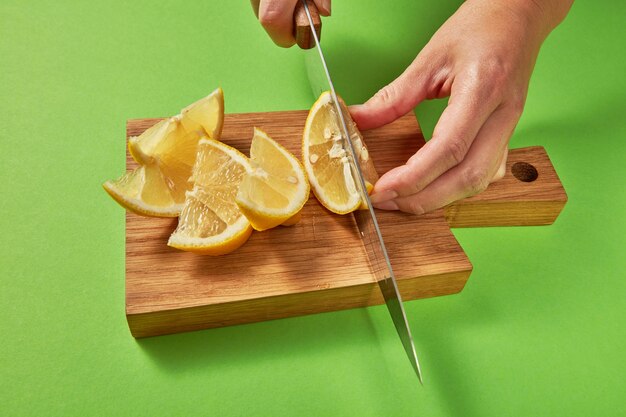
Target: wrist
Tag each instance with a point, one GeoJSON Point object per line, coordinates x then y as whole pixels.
{"type": "Point", "coordinates": [540, 16]}
{"type": "Point", "coordinates": [554, 10]}
{"type": "Point", "coordinates": [545, 14]}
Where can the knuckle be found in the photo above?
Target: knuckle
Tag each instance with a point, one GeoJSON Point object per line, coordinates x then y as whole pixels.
{"type": "Point", "coordinates": [390, 98]}
{"type": "Point", "coordinates": [488, 77]}
{"type": "Point", "coordinates": [269, 17]}
{"type": "Point", "coordinates": [387, 94]}
{"type": "Point", "coordinates": [495, 68]}
{"type": "Point", "coordinates": [456, 149]}
{"type": "Point", "coordinates": [476, 180]}
{"type": "Point", "coordinates": [407, 185]}
{"type": "Point", "coordinates": [415, 207]}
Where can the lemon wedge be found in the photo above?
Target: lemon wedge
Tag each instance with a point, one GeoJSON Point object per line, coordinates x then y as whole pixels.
{"type": "Point", "coordinates": [276, 188]}
{"type": "Point", "coordinates": [166, 153]}
{"type": "Point", "coordinates": [210, 221]}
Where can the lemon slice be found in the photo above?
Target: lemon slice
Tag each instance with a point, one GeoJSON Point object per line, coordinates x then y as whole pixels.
{"type": "Point", "coordinates": [167, 152]}
{"type": "Point", "coordinates": [210, 221]}
{"type": "Point", "coordinates": [326, 161]}
{"type": "Point", "coordinates": [277, 187]}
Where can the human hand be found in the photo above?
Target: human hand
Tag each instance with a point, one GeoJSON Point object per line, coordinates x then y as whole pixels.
{"type": "Point", "coordinates": [276, 17]}
{"type": "Point", "coordinates": [482, 58]}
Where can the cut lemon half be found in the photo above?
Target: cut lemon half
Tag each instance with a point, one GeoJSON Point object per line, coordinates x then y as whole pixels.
{"type": "Point", "coordinates": [210, 221]}
{"type": "Point", "coordinates": [326, 161]}
{"type": "Point", "coordinates": [276, 188]}
{"type": "Point", "coordinates": [167, 152]}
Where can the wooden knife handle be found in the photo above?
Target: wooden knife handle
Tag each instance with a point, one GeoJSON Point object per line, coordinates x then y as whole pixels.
{"type": "Point", "coordinates": [301, 27]}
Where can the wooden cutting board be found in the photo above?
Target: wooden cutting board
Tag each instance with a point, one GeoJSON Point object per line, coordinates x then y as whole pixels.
{"type": "Point", "coordinates": [320, 264]}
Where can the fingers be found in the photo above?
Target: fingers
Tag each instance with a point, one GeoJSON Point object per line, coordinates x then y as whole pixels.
{"type": "Point", "coordinates": [485, 162]}
{"type": "Point", "coordinates": [323, 7]}
{"type": "Point", "coordinates": [501, 166]}
{"type": "Point", "coordinates": [394, 100]}
{"type": "Point", "coordinates": [467, 111]}
{"type": "Point", "coordinates": [276, 17]}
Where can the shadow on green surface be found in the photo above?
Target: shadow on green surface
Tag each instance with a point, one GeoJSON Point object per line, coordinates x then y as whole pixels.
{"type": "Point", "coordinates": [359, 69]}
{"type": "Point", "coordinates": [442, 352]}
{"type": "Point", "coordinates": [445, 358]}
{"type": "Point", "coordinates": [261, 342]}
{"type": "Point", "coordinates": [347, 346]}
{"type": "Point", "coordinates": [363, 62]}
{"type": "Point", "coordinates": [575, 137]}
{"type": "Point", "coordinates": [575, 127]}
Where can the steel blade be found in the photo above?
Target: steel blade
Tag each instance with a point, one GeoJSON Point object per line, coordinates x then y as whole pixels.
{"type": "Point", "coordinates": [320, 80]}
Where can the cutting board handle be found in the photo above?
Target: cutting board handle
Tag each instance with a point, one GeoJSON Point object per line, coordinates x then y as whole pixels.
{"type": "Point", "coordinates": [301, 27]}
{"type": "Point", "coordinates": [530, 194]}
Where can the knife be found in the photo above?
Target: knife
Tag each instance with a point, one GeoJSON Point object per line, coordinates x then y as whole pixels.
{"type": "Point", "coordinates": [307, 32]}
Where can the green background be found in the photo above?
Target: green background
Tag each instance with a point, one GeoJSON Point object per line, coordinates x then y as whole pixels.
{"type": "Point", "coordinates": [538, 330]}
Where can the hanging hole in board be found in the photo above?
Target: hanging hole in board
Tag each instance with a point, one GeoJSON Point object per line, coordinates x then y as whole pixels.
{"type": "Point", "coordinates": [524, 171]}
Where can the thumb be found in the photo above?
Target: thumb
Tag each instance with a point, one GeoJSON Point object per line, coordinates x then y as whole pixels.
{"type": "Point", "coordinates": [394, 100]}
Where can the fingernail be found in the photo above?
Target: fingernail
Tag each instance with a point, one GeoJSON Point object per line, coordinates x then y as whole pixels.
{"type": "Point", "coordinates": [382, 196]}
{"type": "Point", "coordinates": [386, 205]}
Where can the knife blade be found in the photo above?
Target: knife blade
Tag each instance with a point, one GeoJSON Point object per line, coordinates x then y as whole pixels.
{"type": "Point", "coordinates": [366, 221]}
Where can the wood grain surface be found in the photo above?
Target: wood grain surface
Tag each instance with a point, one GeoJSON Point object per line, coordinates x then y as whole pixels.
{"type": "Point", "coordinates": [319, 264]}
{"type": "Point", "coordinates": [535, 199]}
{"type": "Point", "coordinates": [302, 27]}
